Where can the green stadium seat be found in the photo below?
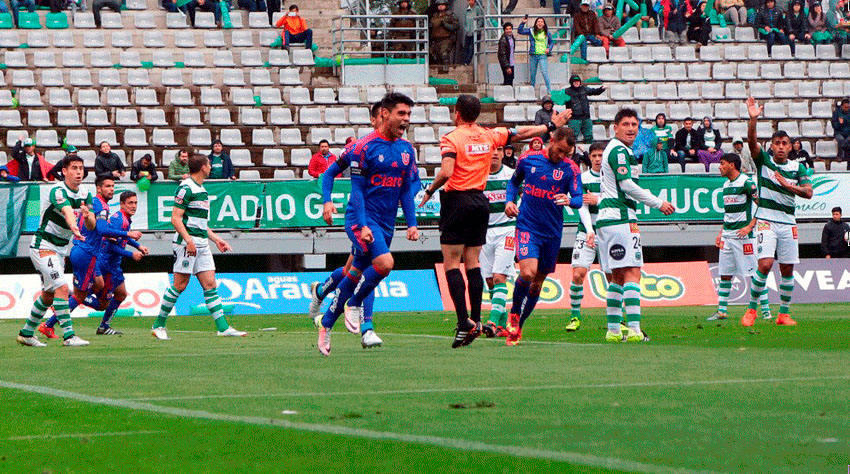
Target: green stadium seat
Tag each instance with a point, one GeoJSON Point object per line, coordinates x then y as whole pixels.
{"type": "Point", "coordinates": [6, 22]}
{"type": "Point", "coordinates": [28, 21]}
{"type": "Point", "coordinates": [56, 21]}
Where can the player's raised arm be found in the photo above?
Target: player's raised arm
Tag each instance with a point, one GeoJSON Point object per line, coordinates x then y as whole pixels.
{"type": "Point", "coordinates": [559, 119]}
{"type": "Point", "coordinates": [754, 111]}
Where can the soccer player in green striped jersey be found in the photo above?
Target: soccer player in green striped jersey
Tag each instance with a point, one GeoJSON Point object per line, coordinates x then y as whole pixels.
{"type": "Point", "coordinates": [51, 244]}
{"type": "Point", "coordinates": [192, 255]}
{"type": "Point", "coordinates": [780, 181]}
{"type": "Point", "coordinates": [735, 239]}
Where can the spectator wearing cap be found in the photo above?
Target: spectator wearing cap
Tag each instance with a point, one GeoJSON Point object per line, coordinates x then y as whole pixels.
{"type": "Point", "coordinates": [321, 160]}
{"type": "Point", "coordinates": [56, 172]}
{"type": "Point", "coordinates": [26, 164]}
{"type": "Point", "coordinates": [580, 121]}
{"type": "Point", "coordinates": [544, 115]}
{"type": "Point", "coordinates": [6, 176]}
{"type": "Point", "coordinates": [833, 241]}
{"type": "Point", "coordinates": [221, 167]}
{"type": "Point", "coordinates": [586, 23]}
{"type": "Point", "coordinates": [770, 23]}
{"type": "Point", "coordinates": [143, 168]}
{"type": "Point", "coordinates": [507, 48]}
{"type": "Point", "coordinates": [841, 126]}
{"type": "Point", "coordinates": [748, 166]}
{"type": "Point", "coordinates": [509, 157]}
{"type": "Point", "coordinates": [608, 24]}
{"type": "Point", "coordinates": [108, 163]}
{"type": "Point", "coordinates": [295, 28]}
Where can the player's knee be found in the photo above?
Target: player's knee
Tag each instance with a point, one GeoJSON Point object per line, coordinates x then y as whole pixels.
{"type": "Point", "coordinates": [578, 275]}
{"type": "Point", "coordinates": [384, 263]}
{"type": "Point", "coordinates": [180, 286]}
{"type": "Point", "coordinates": [499, 279]}
{"type": "Point", "coordinates": [528, 274]}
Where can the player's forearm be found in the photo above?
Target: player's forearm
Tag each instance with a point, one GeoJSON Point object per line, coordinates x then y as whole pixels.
{"type": "Point", "coordinates": [804, 192]}
{"type": "Point", "coordinates": [752, 138]}
{"type": "Point", "coordinates": [512, 190]}
{"type": "Point", "coordinates": [107, 230]}
{"type": "Point", "coordinates": [584, 217]}
{"type": "Point", "coordinates": [134, 243]}
{"type": "Point", "coordinates": [118, 250]}
{"type": "Point", "coordinates": [70, 219]}
{"type": "Point", "coordinates": [179, 227]}
{"type": "Point", "coordinates": [530, 131]}
{"type": "Point", "coordinates": [447, 169]}
{"type": "Point", "coordinates": [328, 181]}
{"type": "Point", "coordinates": [90, 221]}
{"type": "Point", "coordinates": [639, 194]}
{"type": "Point", "coordinates": [213, 237]}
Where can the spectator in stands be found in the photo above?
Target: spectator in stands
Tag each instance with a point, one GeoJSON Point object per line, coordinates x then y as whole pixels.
{"type": "Point", "coordinates": [646, 21]}
{"type": "Point", "coordinates": [544, 115]}
{"type": "Point", "coordinates": [608, 24]}
{"type": "Point", "coordinates": [748, 166]}
{"type": "Point", "coordinates": [26, 164]}
{"type": "Point", "coordinates": [443, 26]}
{"type": "Point", "coordinates": [211, 6]}
{"type": "Point", "coordinates": [320, 161]}
{"type": "Point", "coordinates": [797, 25]}
{"type": "Point", "coordinates": [221, 167]}
{"type": "Point", "coordinates": [841, 127]}
{"type": "Point", "coordinates": [838, 21]}
{"type": "Point", "coordinates": [580, 121]}
{"type": "Point", "coordinates": [735, 11]}
{"type": "Point", "coordinates": [108, 163]}
{"type": "Point", "coordinates": [171, 6]}
{"type": "Point", "coordinates": [18, 4]}
{"type": "Point", "coordinates": [817, 25]}
{"type": "Point", "coordinates": [770, 23]}
{"type": "Point", "coordinates": [709, 141]}
{"type": "Point", "coordinates": [295, 28]}
{"type": "Point", "coordinates": [674, 20]}
{"type": "Point", "coordinates": [4, 172]}
{"type": "Point", "coordinates": [56, 172]}
{"type": "Point", "coordinates": [470, 25]}
{"type": "Point", "coordinates": [663, 134]}
{"type": "Point", "coordinates": [686, 143]}
{"type": "Point", "coordinates": [799, 154]}
{"type": "Point", "coordinates": [699, 28]}
{"type": "Point", "coordinates": [143, 168]}
{"type": "Point", "coordinates": [507, 48]}
{"type": "Point", "coordinates": [398, 34]}
{"type": "Point", "coordinates": [656, 159]}
{"type": "Point", "coordinates": [253, 5]}
{"type": "Point", "coordinates": [274, 7]}
{"type": "Point", "coordinates": [833, 241]}
{"type": "Point", "coordinates": [539, 48]}
{"type": "Point", "coordinates": [178, 170]}
{"type": "Point", "coordinates": [509, 158]}
{"type": "Point", "coordinates": [98, 5]}
{"type": "Point", "coordinates": [586, 23]}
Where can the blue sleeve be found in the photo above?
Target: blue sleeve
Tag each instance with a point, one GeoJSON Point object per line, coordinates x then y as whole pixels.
{"type": "Point", "coordinates": [328, 181]}
{"type": "Point", "coordinates": [550, 42]}
{"type": "Point", "coordinates": [111, 247]}
{"type": "Point", "coordinates": [358, 189]}
{"type": "Point", "coordinates": [408, 207]}
{"type": "Point", "coordinates": [576, 191]}
{"type": "Point", "coordinates": [107, 230]}
{"type": "Point", "coordinates": [513, 183]}
{"type": "Point", "coordinates": [133, 242]}
{"type": "Point", "coordinates": [523, 30]}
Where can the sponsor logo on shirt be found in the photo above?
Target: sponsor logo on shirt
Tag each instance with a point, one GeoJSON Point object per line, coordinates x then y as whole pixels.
{"type": "Point", "coordinates": [386, 181]}
{"type": "Point", "coordinates": [478, 149]}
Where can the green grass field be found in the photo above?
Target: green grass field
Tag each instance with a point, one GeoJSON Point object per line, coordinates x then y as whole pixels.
{"type": "Point", "coordinates": [701, 397]}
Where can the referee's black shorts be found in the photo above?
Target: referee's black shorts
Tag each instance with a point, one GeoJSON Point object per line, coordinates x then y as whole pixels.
{"type": "Point", "coordinates": [464, 217]}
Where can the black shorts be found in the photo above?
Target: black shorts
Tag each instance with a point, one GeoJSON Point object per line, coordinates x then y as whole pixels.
{"type": "Point", "coordinates": [464, 217]}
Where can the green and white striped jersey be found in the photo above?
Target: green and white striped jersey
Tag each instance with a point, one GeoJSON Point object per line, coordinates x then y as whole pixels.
{"type": "Point", "coordinates": [739, 197]}
{"type": "Point", "coordinates": [777, 204]}
{"type": "Point", "coordinates": [192, 198]}
{"type": "Point", "coordinates": [495, 191]}
{"type": "Point", "coordinates": [615, 207]}
{"type": "Point", "coordinates": [592, 183]}
{"type": "Point", "coordinates": [54, 233]}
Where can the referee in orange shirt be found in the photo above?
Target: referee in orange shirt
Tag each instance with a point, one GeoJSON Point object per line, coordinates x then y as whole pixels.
{"type": "Point", "coordinates": [464, 211]}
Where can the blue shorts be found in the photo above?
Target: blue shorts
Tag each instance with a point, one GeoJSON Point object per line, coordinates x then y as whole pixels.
{"type": "Point", "coordinates": [85, 268]}
{"type": "Point", "coordinates": [545, 250]}
{"type": "Point", "coordinates": [113, 277]}
{"type": "Point", "coordinates": [364, 253]}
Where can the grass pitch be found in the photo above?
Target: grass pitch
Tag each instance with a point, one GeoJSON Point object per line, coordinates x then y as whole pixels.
{"type": "Point", "coordinates": [701, 397]}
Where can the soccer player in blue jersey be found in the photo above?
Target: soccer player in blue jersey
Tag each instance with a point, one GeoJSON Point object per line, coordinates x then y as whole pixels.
{"type": "Point", "coordinates": [111, 254]}
{"type": "Point", "coordinates": [383, 168]}
{"type": "Point", "coordinates": [548, 179]}
{"type": "Point", "coordinates": [318, 291]}
{"type": "Point", "coordinates": [84, 255]}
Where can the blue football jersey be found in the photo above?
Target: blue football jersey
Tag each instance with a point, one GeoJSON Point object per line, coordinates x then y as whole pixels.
{"type": "Point", "coordinates": [94, 238]}
{"type": "Point", "coordinates": [110, 253]}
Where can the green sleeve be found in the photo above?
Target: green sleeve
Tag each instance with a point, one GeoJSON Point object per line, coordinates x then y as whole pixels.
{"type": "Point", "coordinates": [752, 190]}
{"type": "Point", "coordinates": [760, 158]}
{"type": "Point", "coordinates": [59, 198]}
{"type": "Point", "coordinates": [90, 200]}
{"type": "Point", "coordinates": [805, 175]}
{"type": "Point", "coordinates": [619, 162]}
{"type": "Point", "coordinates": [182, 197]}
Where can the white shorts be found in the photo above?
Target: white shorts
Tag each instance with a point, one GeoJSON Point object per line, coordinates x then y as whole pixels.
{"type": "Point", "coordinates": [619, 246]}
{"type": "Point", "coordinates": [737, 257]}
{"type": "Point", "coordinates": [51, 266]}
{"type": "Point", "coordinates": [779, 240]}
{"type": "Point", "coordinates": [583, 255]}
{"type": "Point", "coordinates": [202, 261]}
{"type": "Point", "coordinates": [497, 254]}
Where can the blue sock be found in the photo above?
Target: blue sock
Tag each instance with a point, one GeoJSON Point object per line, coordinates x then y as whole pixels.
{"type": "Point", "coordinates": [330, 285]}
{"type": "Point", "coordinates": [72, 303]}
{"type": "Point", "coordinates": [371, 278]}
{"type": "Point", "coordinates": [368, 303]}
{"type": "Point", "coordinates": [52, 321]}
{"type": "Point", "coordinates": [109, 313]}
{"type": "Point", "coordinates": [346, 289]}
{"type": "Point", "coordinates": [528, 306]}
{"type": "Point", "coordinates": [521, 288]}
{"type": "Point", "coordinates": [92, 301]}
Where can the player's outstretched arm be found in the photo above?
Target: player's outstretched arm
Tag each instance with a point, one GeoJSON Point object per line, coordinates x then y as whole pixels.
{"type": "Point", "coordinates": [89, 219]}
{"type": "Point", "coordinates": [447, 169]}
{"type": "Point", "coordinates": [645, 197]}
{"type": "Point", "coordinates": [71, 220]}
{"type": "Point", "coordinates": [222, 245]}
{"type": "Point", "coordinates": [754, 111]}
{"type": "Point", "coordinates": [559, 119]}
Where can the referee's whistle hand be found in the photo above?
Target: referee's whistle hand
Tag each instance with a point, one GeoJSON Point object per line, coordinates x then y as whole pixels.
{"type": "Point", "coordinates": [511, 210]}
{"type": "Point", "coordinates": [667, 208]}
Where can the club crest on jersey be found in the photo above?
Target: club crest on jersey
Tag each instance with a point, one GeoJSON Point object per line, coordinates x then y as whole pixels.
{"type": "Point", "coordinates": [533, 169]}
{"type": "Point", "coordinates": [557, 174]}
{"type": "Point", "coordinates": [478, 149]}
{"type": "Point", "coordinates": [405, 158]}
{"type": "Point", "coordinates": [381, 158]}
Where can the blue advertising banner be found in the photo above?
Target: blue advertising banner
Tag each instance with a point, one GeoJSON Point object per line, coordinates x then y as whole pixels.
{"type": "Point", "coordinates": [273, 293]}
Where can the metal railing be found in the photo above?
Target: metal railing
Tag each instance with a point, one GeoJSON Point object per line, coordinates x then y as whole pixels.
{"type": "Point", "coordinates": [487, 38]}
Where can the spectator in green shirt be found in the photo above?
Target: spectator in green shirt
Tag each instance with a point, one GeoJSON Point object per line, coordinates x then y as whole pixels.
{"type": "Point", "coordinates": [656, 160]}
{"type": "Point", "coordinates": [222, 166]}
{"type": "Point", "coordinates": [663, 138]}
{"type": "Point", "coordinates": [178, 170]}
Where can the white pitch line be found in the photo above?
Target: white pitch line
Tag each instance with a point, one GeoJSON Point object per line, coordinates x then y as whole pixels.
{"type": "Point", "coordinates": [451, 443]}
{"type": "Point", "coordinates": [508, 388]}
{"type": "Point", "coordinates": [436, 336]}
{"type": "Point", "coordinates": [82, 435]}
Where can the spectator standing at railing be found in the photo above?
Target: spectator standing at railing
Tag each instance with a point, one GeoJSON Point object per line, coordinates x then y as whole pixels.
{"type": "Point", "coordinates": [580, 121]}
{"type": "Point", "coordinates": [108, 163]}
{"type": "Point", "coordinates": [507, 50]}
{"type": "Point", "coordinates": [401, 29]}
{"type": "Point", "coordinates": [833, 241]}
{"type": "Point", "coordinates": [586, 23]}
{"type": "Point", "coordinates": [221, 167]}
{"type": "Point", "coordinates": [608, 24]}
{"type": "Point", "coordinates": [56, 172]}
{"type": "Point", "coordinates": [770, 23]}
{"type": "Point", "coordinates": [321, 160]}
{"type": "Point", "coordinates": [539, 49]}
{"type": "Point", "coordinates": [26, 164]}
{"type": "Point", "coordinates": [143, 168]}
{"type": "Point", "coordinates": [674, 20]}
{"type": "Point", "coordinates": [473, 20]}
{"type": "Point", "coordinates": [444, 26]}
{"type": "Point", "coordinates": [178, 170]}
{"type": "Point", "coordinates": [841, 127]}
{"type": "Point", "coordinates": [708, 141]}
{"type": "Point", "coordinates": [295, 28]}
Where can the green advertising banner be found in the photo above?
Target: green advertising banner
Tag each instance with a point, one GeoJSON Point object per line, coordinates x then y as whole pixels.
{"type": "Point", "coordinates": [233, 204]}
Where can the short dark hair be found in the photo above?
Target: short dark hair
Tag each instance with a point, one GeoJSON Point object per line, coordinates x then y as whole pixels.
{"type": "Point", "coordinates": [196, 162]}
{"type": "Point", "coordinates": [325, 142]}
{"type": "Point", "coordinates": [104, 177]}
{"type": "Point", "coordinates": [127, 195]}
{"type": "Point", "coordinates": [845, 101]}
{"type": "Point", "coordinates": [837, 209]}
{"type": "Point", "coordinates": [376, 109]}
{"type": "Point", "coordinates": [217, 142]}
{"type": "Point", "coordinates": [688, 119]}
{"type": "Point", "coordinates": [780, 134]}
{"type": "Point", "coordinates": [564, 134]}
{"type": "Point", "coordinates": [391, 100]}
{"type": "Point", "coordinates": [68, 159]}
{"type": "Point", "coordinates": [469, 107]}
{"type": "Point", "coordinates": [146, 156]}
{"type": "Point", "coordinates": [506, 25]}
{"type": "Point", "coordinates": [181, 151]}
{"type": "Point", "coordinates": [293, 7]}
{"type": "Point", "coordinates": [732, 158]}
{"type": "Point", "coordinates": [596, 146]}
{"type": "Point", "coordinates": [625, 113]}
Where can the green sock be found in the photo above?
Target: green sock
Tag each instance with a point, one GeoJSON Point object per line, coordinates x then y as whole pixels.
{"type": "Point", "coordinates": [765, 302]}
{"type": "Point", "coordinates": [786, 287]}
{"type": "Point", "coordinates": [36, 315]}
{"type": "Point", "coordinates": [756, 289]}
{"type": "Point", "coordinates": [723, 296]}
{"type": "Point", "coordinates": [576, 295]}
{"type": "Point", "coordinates": [63, 314]}
{"type": "Point", "coordinates": [498, 299]}
{"type": "Point", "coordinates": [216, 310]}
{"type": "Point", "coordinates": [614, 307]}
{"type": "Point", "coordinates": [631, 301]}
{"type": "Point", "coordinates": [169, 299]}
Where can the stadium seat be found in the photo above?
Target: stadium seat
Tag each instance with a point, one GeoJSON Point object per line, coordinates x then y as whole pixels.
{"type": "Point", "coordinates": [760, 90]}
{"type": "Point", "coordinates": [721, 35]}
{"type": "Point", "coordinates": [745, 35]}
{"type": "Point", "coordinates": [685, 54]}
{"type": "Point", "coordinates": [607, 111]}
{"type": "Point", "coordinates": [16, 59]}
{"type": "Point", "coordinates": [631, 36]}
{"type": "Point", "coordinates": [675, 72]}
{"type": "Point", "coordinates": [9, 39]}
{"type": "Point", "coordinates": [631, 72]}
{"type": "Point", "coordinates": [214, 39]}
{"type": "Point", "coordinates": [772, 71]}
{"type": "Point", "coordinates": [163, 59]}
{"type": "Point", "coordinates": [102, 135]}
{"type": "Point", "coordinates": [154, 118]}
{"type": "Point", "coordinates": [621, 92]}
{"type": "Point", "coordinates": [757, 52]}
{"type": "Point", "coordinates": [428, 95]}
{"type": "Point", "coordinates": [29, 98]}
{"type": "Point", "coordinates": [111, 20]}
{"type": "Point", "coordinates": [273, 157]}
{"type": "Point", "coordinates": [23, 78]}
{"type": "Point", "coordinates": [439, 114]}
{"type": "Point", "coordinates": [310, 116]}
{"type": "Point", "coordinates": [335, 116]}
{"type": "Point", "coordinates": [525, 94]}
{"type": "Point", "coordinates": [723, 72]}
{"type": "Point", "coordinates": [504, 94]}
{"type": "Point", "coordinates": [833, 89]}
{"type": "Point", "coordinates": [60, 97]}
{"type": "Point", "coordinates": [163, 137]}
{"type": "Point", "coordinates": [694, 168]}
{"type": "Point", "coordinates": [764, 130]}
{"type": "Point", "coordinates": [300, 157]}
{"type": "Point", "coordinates": [349, 95]}
{"type": "Point", "coordinates": [269, 36]}
{"type": "Point", "coordinates": [781, 52]}
{"type": "Point", "coordinates": [202, 77]}
{"type": "Point", "coordinates": [44, 59]}
{"type": "Point", "coordinates": [359, 116]}
{"type": "Point", "coordinates": [341, 134]}
{"type": "Point", "coordinates": [701, 109]}
{"type": "Point", "coordinates": [825, 52]}
{"type": "Point", "coordinates": [211, 96]}
{"type": "Point", "coordinates": [130, 59]}
{"type": "Point", "coordinates": [68, 118]}
{"type": "Point", "coordinates": [258, 20]}
{"type": "Point", "coordinates": [138, 78]}
{"type": "Point", "coordinates": [689, 91]}
{"type": "Point", "coordinates": [279, 57]}
{"type": "Point", "coordinates": [135, 137]}
{"type": "Point", "coordinates": [791, 128]}
{"type": "Point", "coordinates": [839, 70]}
{"type": "Point", "coordinates": [77, 138]}
{"type": "Point", "coordinates": [262, 137]}
{"type": "Point", "coordinates": [619, 55]}
{"type": "Point", "coordinates": [784, 90]}
{"type": "Point", "coordinates": [653, 72]}
{"type": "Point", "coordinates": [812, 129]}
{"type": "Point", "coordinates": [736, 90]}
{"type": "Point", "coordinates": [667, 91]}
{"type": "Point", "coordinates": [838, 166]}
{"type": "Point", "coordinates": [774, 110]}
{"type": "Point", "coordinates": [102, 59]}
{"type": "Point", "coordinates": [37, 39]}
{"type": "Point", "coordinates": [35, 118]}
{"type": "Point", "coordinates": [596, 54]}
{"type": "Point", "coordinates": [270, 96]}
{"type": "Point", "coordinates": [176, 20]}
{"type": "Point", "coordinates": [224, 59]}
{"type": "Point", "coordinates": [699, 72]}
{"type": "Point", "coordinates": [108, 78]}
{"type": "Point", "coordinates": [424, 135]}
{"type": "Point", "coordinates": [69, 59]}
{"type": "Point", "coordinates": [417, 115]}
{"type": "Point", "coordinates": [324, 95]}
{"type": "Point", "coordinates": [185, 39]}
{"type": "Point", "coordinates": [97, 118]}
{"type": "Point", "coordinates": [180, 98]}
{"type": "Point", "coordinates": [220, 117]}
{"type": "Point", "coordinates": [726, 111]}
{"type": "Point", "coordinates": [242, 39]}
{"type": "Point", "coordinates": [641, 54]}
{"type": "Point", "coordinates": [662, 53]}
{"type": "Point", "coordinates": [249, 175]}
{"type": "Point", "coordinates": [204, 20]}
{"type": "Point", "coordinates": [649, 35]}
{"type": "Point", "coordinates": [826, 149]}
{"type": "Point", "coordinates": [280, 116]}
{"type": "Point", "coordinates": [117, 98]}
{"type": "Point", "coordinates": [299, 96]}
{"type": "Point", "coordinates": [317, 134]}
{"type": "Point", "coordinates": [302, 57]}
{"type": "Point", "coordinates": [122, 39]}
{"type": "Point", "coordinates": [818, 70]}
{"type": "Point", "coordinates": [607, 73]}
{"type": "Point", "coordinates": [172, 78]}
{"type": "Point", "coordinates": [251, 58]}
{"type": "Point", "coordinates": [809, 89]}
{"type": "Point", "coordinates": [653, 109]}
{"type": "Point", "coordinates": [12, 118]}
{"type": "Point", "coordinates": [748, 71]}
{"type": "Point", "coordinates": [822, 109]}
{"type": "Point", "coordinates": [290, 77]}
{"type": "Point", "coordinates": [231, 137]}
{"type": "Point", "coordinates": [430, 155]}
{"type": "Point", "coordinates": [93, 39]}
{"type": "Point", "coordinates": [290, 136]}
{"type": "Point", "coordinates": [28, 21]}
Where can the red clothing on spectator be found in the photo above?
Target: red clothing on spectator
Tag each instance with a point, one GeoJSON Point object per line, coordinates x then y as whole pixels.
{"type": "Point", "coordinates": [14, 167]}
{"type": "Point", "coordinates": [318, 164]}
{"type": "Point", "coordinates": [292, 24]}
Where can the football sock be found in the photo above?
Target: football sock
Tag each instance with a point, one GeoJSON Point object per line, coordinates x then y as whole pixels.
{"type": "Point", "coordinates": [329, 286]}
{"type": "Point", "coordinates": [498, 300]}
{"type": "Point", "coordinates": [371, 278]}
{"type": "Point", "coordinates": [528, 305]}
{"type": "Point", "coordinates": [344, 293]}
{"type": "Point", "coordinates": [60, 306]}
{"type": "Point", "coordinates": [92, 301]}
{"type": "Point", "coordinates": [36, 314]}
{"type": "Point", "coordinates": [51, 321]}
{"type": "Point", "coordinates": [476, 292]}
{"type": "Point", "coordinates": [521, 288]}
{"type": "Point", "coordinates": [109, 313]}
{"type": "Point", "coordinates": [169, 299]}
{"type": "Point", "coordinates": [457, 290]}
{"type": "Point", "coordinates": [614, 309]}
{"type": "Point", "coordinates": [723, 296]}
{"type": "Point", "coordinates": [216, 310]}
{"type": "Point", "coordinates": [368, 304]}
{"type": "Point", "coordinates": [73, 303]}
{"type": "Point", "coordinates": [765, 302]}
{"type": "Point", "coordinates": [756, 289]}
{"type": "Point", "coordinates": [576, 295]}
{"type": "Point", "coordinates": [786, 287]}
{"type": "Point", "coordinates": [631, 301]}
